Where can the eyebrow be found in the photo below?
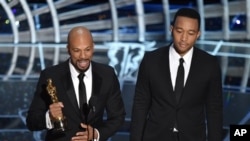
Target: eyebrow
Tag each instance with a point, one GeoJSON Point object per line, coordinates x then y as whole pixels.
{"type": "Point", "coordinates": [192, 30]}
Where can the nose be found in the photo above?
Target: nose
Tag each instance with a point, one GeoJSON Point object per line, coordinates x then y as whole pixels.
{"type": "Point", "coordinates": [184, 37]}
{"type": "Point", "coordinates": [82, 54]}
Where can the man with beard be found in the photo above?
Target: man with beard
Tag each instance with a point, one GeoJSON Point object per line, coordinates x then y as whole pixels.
{"type": "Point", "coordinates": [102, 98]}
{"type": "Point", "coordinates": [178, 94]}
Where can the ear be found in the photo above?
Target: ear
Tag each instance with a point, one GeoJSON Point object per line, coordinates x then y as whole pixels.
{"type": "Point", "coordinates": [68, 49]}
{"type": "Point", "coordinates": [198, 35]}
{"type": "Point", "coordinates": [171, 29]}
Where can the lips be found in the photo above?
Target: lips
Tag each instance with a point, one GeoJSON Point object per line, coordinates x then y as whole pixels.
{"type": "Point", "coordinates": [182, 45]}
{"type": "Point", "coordinates": [83, 63]}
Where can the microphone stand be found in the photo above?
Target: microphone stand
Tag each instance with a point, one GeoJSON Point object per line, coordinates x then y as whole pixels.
{"type": "Point", "coordinates": [93, 109]}
{"type": "Point", "coordinates": [85, 110]}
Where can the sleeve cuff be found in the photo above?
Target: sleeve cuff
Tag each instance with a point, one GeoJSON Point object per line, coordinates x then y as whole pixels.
{"type": "Point", "coordinates": [49, 124]}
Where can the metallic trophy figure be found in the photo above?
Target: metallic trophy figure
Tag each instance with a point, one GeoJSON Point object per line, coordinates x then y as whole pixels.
{"type": "Point", "coordinates": [59, 124]}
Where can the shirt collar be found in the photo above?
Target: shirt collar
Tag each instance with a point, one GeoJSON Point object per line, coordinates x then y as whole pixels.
{"type": "Point", "coordinates": [187, 57]}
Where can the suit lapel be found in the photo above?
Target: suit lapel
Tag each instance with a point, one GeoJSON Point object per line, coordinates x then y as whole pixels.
{"type": "Point", "coordinates": [96, 87]}
{"type": "Point", "coordinates": [165, 73]}
{"type": "Point", "coordinates": [97, 80]}
{"type": "Point", "coordinates": [169, 81]}
{"type": "Point", "coordinates": [70, 92]}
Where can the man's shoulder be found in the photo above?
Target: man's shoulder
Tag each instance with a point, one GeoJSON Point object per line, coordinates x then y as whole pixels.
{"type": "Point", "coordinates": [204, 57]}
{"type": "Point", "coordinates": [58, 67]}
{"type": "Point", "coordinates": [203, 53]}
{"type": "Point", "coordinates": [158, 52]}
{"type": "Point", "coordinates": [100, 66]}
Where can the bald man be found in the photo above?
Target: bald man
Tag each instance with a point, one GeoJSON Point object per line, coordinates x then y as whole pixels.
{"type": "Point", "coordinates": [103, 96]}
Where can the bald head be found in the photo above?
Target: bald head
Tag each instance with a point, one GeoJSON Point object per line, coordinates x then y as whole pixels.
{"type": "Point", "coordinates": [79, 31]}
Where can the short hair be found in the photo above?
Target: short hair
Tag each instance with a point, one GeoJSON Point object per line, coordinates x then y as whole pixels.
{"type": "Point", "coordinates": [188, 12]}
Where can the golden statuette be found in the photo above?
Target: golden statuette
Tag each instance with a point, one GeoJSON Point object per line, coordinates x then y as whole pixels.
{"type": "Point", "coordinates": [59, 124]}
{"type": "Point", "coordinates": [52, 91]}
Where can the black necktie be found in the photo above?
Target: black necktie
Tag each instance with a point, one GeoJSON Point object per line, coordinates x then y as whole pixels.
{"type": "Point", "coordinates": [82, 91]}
{"type": "Point", "coordinates": [179, 84]}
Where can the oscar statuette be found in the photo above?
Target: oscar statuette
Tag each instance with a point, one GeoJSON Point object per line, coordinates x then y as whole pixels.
{"type": "Point", "coordinates": [59, 123]}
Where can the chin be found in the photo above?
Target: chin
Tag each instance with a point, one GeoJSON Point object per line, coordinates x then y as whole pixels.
{"type": "Point", "coordinates": [83, 69]}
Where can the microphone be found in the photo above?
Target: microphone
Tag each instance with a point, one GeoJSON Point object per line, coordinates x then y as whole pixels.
{"type": "Point", "coordinates": [85, 110]}
{"type": "Point", "coordinates": [93, 109]}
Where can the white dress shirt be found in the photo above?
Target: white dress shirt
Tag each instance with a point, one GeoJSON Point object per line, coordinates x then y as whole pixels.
{"type": "Point", "coordinates": [174, 63]}
{"type": "Point", "coordinates": [87, 81]}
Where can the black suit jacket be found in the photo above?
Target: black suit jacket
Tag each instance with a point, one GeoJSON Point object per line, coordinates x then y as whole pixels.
{"type": "Point", "coordinates": [106, 98]}
{"type": "Point", "coordinates": [155, 108]}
